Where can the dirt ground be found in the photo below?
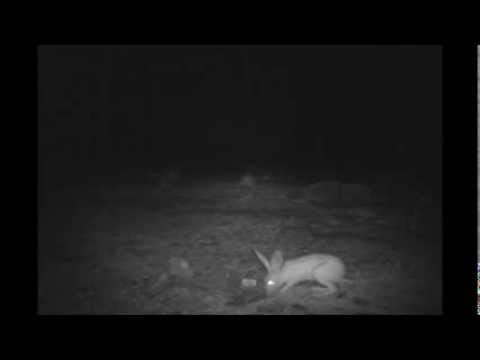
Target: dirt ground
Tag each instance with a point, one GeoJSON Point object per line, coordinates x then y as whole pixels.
{"type": "Point", "coordinates": [107, 249]}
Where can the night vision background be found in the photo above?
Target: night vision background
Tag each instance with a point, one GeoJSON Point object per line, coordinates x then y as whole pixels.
{"type": "Point", "coordinates": [153, 155]}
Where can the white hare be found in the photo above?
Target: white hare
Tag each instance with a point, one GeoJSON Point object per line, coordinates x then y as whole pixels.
{"type": "Point", "coordinates": [325, 269]}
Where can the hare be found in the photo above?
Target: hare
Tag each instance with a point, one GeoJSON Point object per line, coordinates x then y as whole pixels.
{"type": "Point", "coordinates": [325, 269]}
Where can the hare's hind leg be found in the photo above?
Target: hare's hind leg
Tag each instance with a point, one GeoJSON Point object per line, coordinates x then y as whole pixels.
{"type": "Point", "coordinates": [329, 288]}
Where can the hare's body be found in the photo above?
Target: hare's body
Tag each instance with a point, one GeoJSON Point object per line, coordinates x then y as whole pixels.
{"type": "Point", "coordinates": [322, 268]}
{"type": "Point", "coordinates": [325, 269]}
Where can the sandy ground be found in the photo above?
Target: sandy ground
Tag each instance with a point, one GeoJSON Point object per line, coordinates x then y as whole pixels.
{"type": "Point", "coordinates": [106, 250]}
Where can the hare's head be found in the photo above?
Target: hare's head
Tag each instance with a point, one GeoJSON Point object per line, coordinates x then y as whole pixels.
{"type": "Point", "coordinates": [273, 280]}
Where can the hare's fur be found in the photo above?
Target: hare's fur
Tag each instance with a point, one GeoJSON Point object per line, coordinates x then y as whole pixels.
{"type": "Point", "coordinates": [325, 269]}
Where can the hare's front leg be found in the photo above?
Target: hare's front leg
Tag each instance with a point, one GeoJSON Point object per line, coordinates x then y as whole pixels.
{"type": "Point", "coordinates": [287, 286]}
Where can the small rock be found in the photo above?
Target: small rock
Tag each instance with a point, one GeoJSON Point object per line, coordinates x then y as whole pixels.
{"type": "Point", "coordinates": [248, 283]}
{"type": "Point", "coordinates": [180, 268]}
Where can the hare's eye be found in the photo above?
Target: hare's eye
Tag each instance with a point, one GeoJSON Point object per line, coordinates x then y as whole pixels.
{"type": "Point", "coordinates": [270, 282]}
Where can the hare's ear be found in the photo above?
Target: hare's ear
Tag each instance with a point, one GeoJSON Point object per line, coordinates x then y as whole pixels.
{"type": "Point", "coordinates": [263, 259]}
{"type": "Point", "coordinates": [276, 261]}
